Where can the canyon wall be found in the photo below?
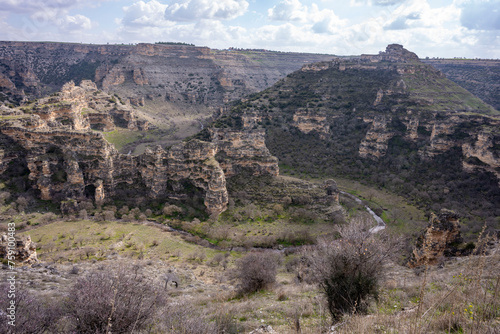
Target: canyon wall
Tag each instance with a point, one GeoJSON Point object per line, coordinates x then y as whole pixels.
{"type": "Point", "coordinates": [58, 141]}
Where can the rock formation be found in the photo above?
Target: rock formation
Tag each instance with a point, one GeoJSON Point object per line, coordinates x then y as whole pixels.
{"type": "Point", "coordinates": [177, 73]}
{"type": "Point", "coordinates": [243, 150]}
{"type": "Point", "coordinates": [68, 161]}
{"type": "Point", "coordinates": [24, 251]}
{"type": "Point", "coordinates": [439, 240]}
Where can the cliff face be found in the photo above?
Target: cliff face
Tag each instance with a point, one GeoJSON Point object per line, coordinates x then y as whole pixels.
{"type": "Point", "coordinates": [173, 73]}
{"type": "Point", "coordinates": [245, 150]}
{"type": "Point", "coordinates": [388, 119]}
{"type": "Point", "coordinates": [24, 250]}
{"type": "Point", "coordinates": [55, 140]}
{"type": "Point", "coordinates": [439, 240]}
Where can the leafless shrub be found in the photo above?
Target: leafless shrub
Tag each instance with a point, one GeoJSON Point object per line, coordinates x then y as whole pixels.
{"type": "Point", "coordinates": [82, 214]}
{"type": "Point", "coordinates": [108, 215]}
{"type": "Point", "coordinates": [11, 212]}
{"type": "Point", "coordinates": [348, 269]}
{"type": "Point", "coordinates": [217, 259]}
{"type": "Point", "coordinates": [32, 315]}
{"type": "Point", "coordinates": [256, 271]}
{"type": "Point", "coordinates": [86, 205]}
{"type": "Point", "coordinates": [124, 210]}
{"type": "Point", "coordinates": [184, 318]}
{"type": "Point", "coordinates": [118, 302]}
{"type": "Point", "coordinates": [48, 217]}
{"type": "Point", "coordinates": [197, 256]}
{"type": "Point", "coordinates": [22, 203]}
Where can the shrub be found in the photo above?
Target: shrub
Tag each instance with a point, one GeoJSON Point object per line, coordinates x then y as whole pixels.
{"type": "Point", "coordinates": [32, 315]}
{"type": "Point", "coordinates": [256, 271]}
{"type": "Point", "coordinates": [184, 318]}
{"type": "Point", "coordinates": [171, 210]}
{"type": "Point", "coordinates": [118, 302]}
{"type": "Point", "coordinates": [348, 269]}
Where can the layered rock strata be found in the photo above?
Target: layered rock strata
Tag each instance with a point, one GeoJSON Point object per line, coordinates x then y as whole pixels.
{"type": "Point", "coordinates": [24, 249]}
{"type": "Point", "coordinates": [66, 159]}
{"type": "Point", "coordinates": [439, 240]}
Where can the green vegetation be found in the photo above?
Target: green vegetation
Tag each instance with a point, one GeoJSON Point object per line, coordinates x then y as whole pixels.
{"type": "Point", "coordinates": [121, 137]}
{"type": "Point", "coordinates": [345, 98]}
{"type": "Point", "coordinates": [175, 43]}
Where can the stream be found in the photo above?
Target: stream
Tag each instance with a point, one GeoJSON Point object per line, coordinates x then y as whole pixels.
{"type": "Point", "coordinates": [380, 222]}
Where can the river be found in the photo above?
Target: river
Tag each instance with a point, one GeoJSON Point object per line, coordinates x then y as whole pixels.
{"type": "Point", "coordinates": [380, 222]}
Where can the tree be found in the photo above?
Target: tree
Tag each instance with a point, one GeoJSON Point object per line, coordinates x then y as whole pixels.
{"type": "Point", "coordinates": [348, 269]}
{"type": "Point", "coordinates": [256, 271]}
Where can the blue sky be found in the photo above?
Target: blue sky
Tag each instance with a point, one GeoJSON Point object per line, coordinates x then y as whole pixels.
{"type": "Point", "coordinates": [434, 28]}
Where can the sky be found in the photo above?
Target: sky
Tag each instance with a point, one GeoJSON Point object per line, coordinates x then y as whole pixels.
{"type": "Point", "coordinates": [430, 28]}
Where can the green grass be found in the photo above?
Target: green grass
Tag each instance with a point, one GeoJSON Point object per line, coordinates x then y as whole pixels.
{"type": "Point", "coordinates": [397, 213]}
{"type": "Point", "coordinates": [121, 137]}
{"type": "Point", "coordinates": [125, 238]}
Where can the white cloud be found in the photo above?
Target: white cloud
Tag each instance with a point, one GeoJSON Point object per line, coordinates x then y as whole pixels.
{"type": "Point", "coordinates": [481, 15]}
{"type": "Point", "coordinates": [192, 10]}
{"type": "Point", "coordinates": [29, 6]}
{"type": "Point", "coordinates": [288, 10]}
{"type": "Point", "coordinates": [75, 23]}
{"type": "Point", "coordinates": [145, 14]}
{"type": "Point", "coordinates": [358, 3]}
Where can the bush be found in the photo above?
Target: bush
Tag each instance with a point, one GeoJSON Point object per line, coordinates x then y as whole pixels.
{"type": "Point", "coordinates": [33, 316]}
{"type": "Point", "coordinates": [256, 271]}
{"type": "Point", "coordinates": [118, 302]}
{"type": "Point", "coordinates": [171, 210]}
{"type": "Point", "coordinates": [348, 269]}
{"type": "Point", "coordinates": [184, 318]}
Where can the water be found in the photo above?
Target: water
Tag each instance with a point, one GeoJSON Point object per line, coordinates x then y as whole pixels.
{"type": "Point", "coordinates": [380, 222]}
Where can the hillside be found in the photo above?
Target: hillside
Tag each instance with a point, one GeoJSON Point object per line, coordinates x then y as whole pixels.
{"type": "Point", "coordinates": [387, 120]}
{"type": "Point", "coordinates": [480, 77]}
{"type": "Point", "coordinates": [312, 206]}
{"type": "Point", "coordinates": [170, 73]}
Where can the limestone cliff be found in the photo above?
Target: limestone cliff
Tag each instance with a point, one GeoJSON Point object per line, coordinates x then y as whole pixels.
{"type": "Point", "coordinates": [243, 150]}
{"type": "Point", "coordinates": [375, 143]}
{"type": "Point", "coordinates": [482, 153]}
{"type": "Point", "coordinates": [56, 141]}
{"type": "Point", "coordinates": [440, 239]}
{"type": "Point", "coordinates": [24, 249]}
{"type": "Point", "coordinates": [177, 73]}
{"type": "Point", "coordinates": [385, 119]}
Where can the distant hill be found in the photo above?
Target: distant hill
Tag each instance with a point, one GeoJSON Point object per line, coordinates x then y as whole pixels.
{"type": "Point", "coordinates": [163, 72]}
{"type": "Point", "coordinates": [480, 77]}
{"type": "Point", "coordinates": [388, 120]}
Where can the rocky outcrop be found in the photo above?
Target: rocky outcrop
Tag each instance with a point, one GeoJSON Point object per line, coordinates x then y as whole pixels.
{"type": "Point", "coordinates": [243, 151]}
{"type": "Point", "coordinates": [69, 162]}
{"type": "Point", "coordinates": [393, 53]}
{"type": "Point", "coordinates": [375, 143]}
{"type": "Point", "coordinates": [440, 239]}
{"type": "Point", "coordinates": [24, 249]}
{"type": "Point", "coordinates": [482, 155]}
{"type": "Point", "coordinates": [308, 121]}
{"type": "Point", "coordinates": [79, 165]}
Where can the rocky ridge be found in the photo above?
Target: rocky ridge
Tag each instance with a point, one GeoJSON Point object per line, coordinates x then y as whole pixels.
{"type": "Point", "coordinates": [374, 115]}
{"type": "Point", "coordinates": [66, 157]}
{"type": "Point", "coordinates": [170, 73]}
